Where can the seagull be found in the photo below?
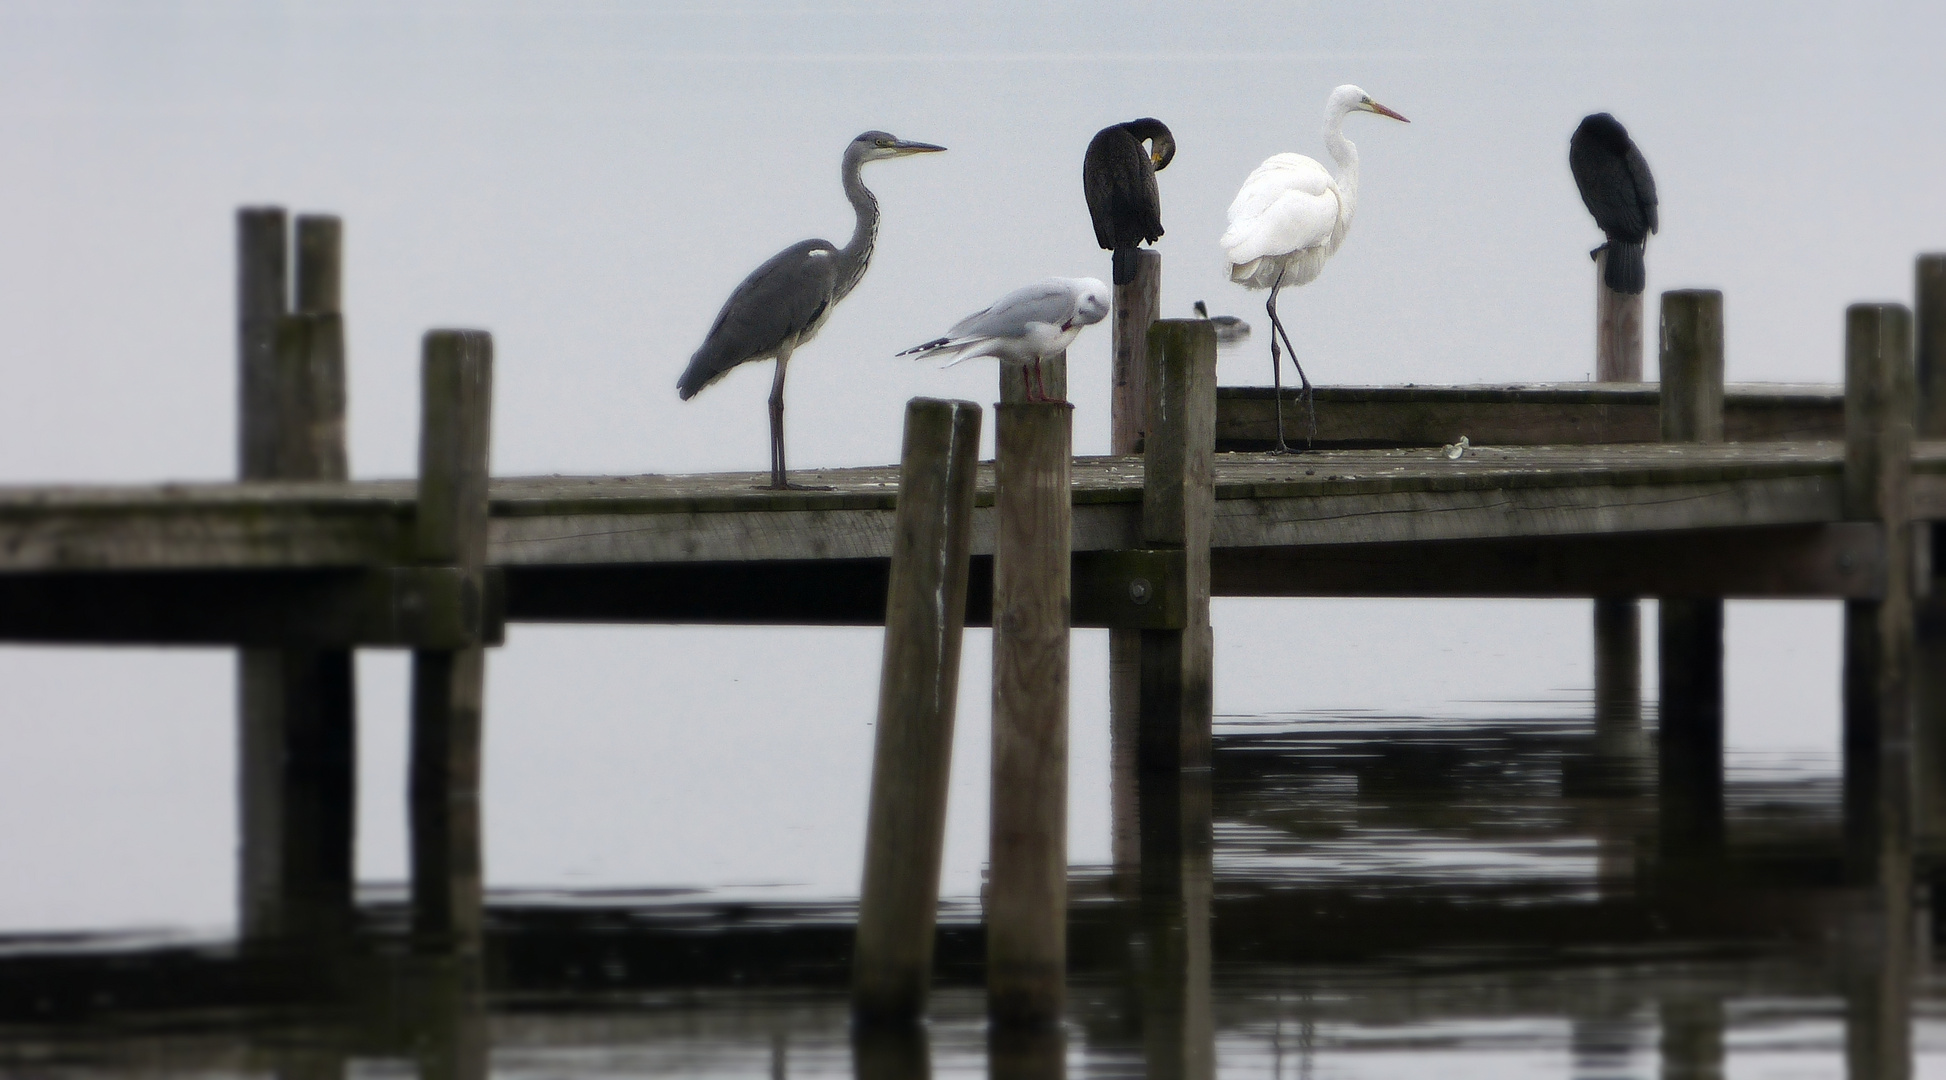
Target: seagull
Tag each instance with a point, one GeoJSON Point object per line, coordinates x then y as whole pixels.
{"type": "Point", "coordinates": [1027, 325]}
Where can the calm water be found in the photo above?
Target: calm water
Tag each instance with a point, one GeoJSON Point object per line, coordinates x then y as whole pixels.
{"type": "Point", "coordinates": [1386, 895]}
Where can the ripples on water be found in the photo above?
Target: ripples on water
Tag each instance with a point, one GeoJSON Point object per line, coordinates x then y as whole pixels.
{"type": "Point", "coordinates": [1450, 896]}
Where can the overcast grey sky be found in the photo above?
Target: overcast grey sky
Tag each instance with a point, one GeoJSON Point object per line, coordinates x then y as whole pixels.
{"type": "Point", "coordinates": [588, 181]}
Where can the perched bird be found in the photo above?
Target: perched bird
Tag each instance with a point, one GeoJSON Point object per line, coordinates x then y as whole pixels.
{"type": "Point", "coordinates": [1618, 190]}
{"type": "Point", "coordinates": [1230, 330]}
{"type": "Point", "coordinates": [1290, 216]}
{"type": "Point", "coordinates": [784, 302]}
{"type": "Point", "coordinates": [1118, 176]}
{"type": "Point", "coordinates": [1026, 325]}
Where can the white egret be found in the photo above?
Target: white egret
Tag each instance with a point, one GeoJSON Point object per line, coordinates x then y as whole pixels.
{"type": "Point", "coordinates": [1289, 217]}
{"type": "Point", "coordinates": [1027, 325]}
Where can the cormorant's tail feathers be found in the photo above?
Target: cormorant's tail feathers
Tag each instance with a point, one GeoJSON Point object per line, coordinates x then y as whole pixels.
{"type": "Point", "coordinates": [1126, 265]}
{"type": "Point", "coordinates": [1624, 271]}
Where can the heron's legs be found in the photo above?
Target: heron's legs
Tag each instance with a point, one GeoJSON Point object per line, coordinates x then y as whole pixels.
{"type": "Point", "coordinates": [777, 475]}
{"type": "Point", "coordinates": [1277, 364]}
{"type": "Point", "coordinates": [1310, 399]}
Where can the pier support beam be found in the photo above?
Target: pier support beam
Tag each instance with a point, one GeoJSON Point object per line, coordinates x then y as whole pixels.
{"type": "Point", "coordinates": [1690, 631]}
{"type": "Point", "coordinates": [925, 618]}
{"type": "Point", "coordinates": [1929, 657]}
{"type": "Point", "coordinates": [448, 686]}
{"type": "Point", "coordinates": [1618, 619]}
{"type": "Point", "coordinates": [1618, 329]}
{"type": "Point", "coordinates": [1027, 894]}
{"type": "Point", "coordinates": [297, 707]}
{"type": "Point", "coordinates": [1137, 304]}
{"type": "Point", "coordinates": [1878, 694]}
{"type": "Point", "coordinates": [1178, 504]}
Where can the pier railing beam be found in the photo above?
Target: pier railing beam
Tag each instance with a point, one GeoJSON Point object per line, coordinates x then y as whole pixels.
{"type": "Point", "coordinates": [448, 686]}
{"type": "Point", "coordinates": [925, 618]}
{"type": "Point", "coordinates": [1026, 909]}
{"type": "Point", "coordinates": [1137, 304]}
{"type": "Point", "coordinates": [297, 757]}
{"type": "Point", "coordinates": [1178, 504]}
{"type": "Point", "coordinates": [1690, 634]}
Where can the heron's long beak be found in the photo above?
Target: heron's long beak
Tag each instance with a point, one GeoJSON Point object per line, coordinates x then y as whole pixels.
{"type": "Point", "coordinates": [1383, 111]}
{"type": "Point", "coordinates": [904, 147]}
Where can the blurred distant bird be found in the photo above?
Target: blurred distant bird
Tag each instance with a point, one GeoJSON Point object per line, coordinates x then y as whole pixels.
{"type": "Point", "coordinates": [1230, 330]}
{"type": "Point", "coordinates": [784, 302]}
{"type": "Point", "coordinates": [1026, 325]}
{"type": "Point", "coordinates": [1290, 216]}
{"type": "Point", "coordinates": [1118, 176]}
{"type": "Point", "coordinates": [1618, 190]}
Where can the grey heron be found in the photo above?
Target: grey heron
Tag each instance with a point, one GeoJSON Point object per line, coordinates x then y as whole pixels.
{"type": "Point", "coordinates": [1026, 325]}
{"type": "Point", "coordinates": [784, 302]}
{"type": "Point", "coordinates": [1290, 217]}
{"type": "Point", "coordinates": [1118, 177]}
{"type": "Point", "coordinates": [1618, 190]}
{"type": "Point", "coordinates": [1230, 330]}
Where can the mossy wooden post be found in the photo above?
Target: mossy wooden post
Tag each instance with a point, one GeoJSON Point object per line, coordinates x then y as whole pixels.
{"type": "Point", "coordinates": [1136, 306]}
{"type": "Point", "coordinates": [448, 685]}
{"type": "Point", "coordinates": [1690, 635]}
{"type": "Point", "coordinates": [1929, 666]}
{"type": "Point", "coordinates": [925, 617]}
{"type": "Point", "coordinates": [297, 760]}
{"type": "Point", "coordinates": [1878, 692]}
{"type": "Point", "coordinates": [1027, 892]}
{"type": "Point", "coordinates": [1178, 505]}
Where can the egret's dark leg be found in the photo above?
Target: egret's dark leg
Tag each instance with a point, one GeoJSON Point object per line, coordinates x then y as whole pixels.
{"type": "Point", "coordinates": [778, 477]}
{"type": "Point", "coordinates": [1310, 399]}
{"type": "Point", "coordinates": [1277, 363]}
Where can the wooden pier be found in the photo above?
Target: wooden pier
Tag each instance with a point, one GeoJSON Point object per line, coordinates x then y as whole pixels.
{"type": "Point", "coordinates": [1611, 490]}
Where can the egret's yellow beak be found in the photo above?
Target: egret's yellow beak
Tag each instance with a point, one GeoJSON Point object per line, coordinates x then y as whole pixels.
{"type": "Point", "coordinates": [1373, 106]}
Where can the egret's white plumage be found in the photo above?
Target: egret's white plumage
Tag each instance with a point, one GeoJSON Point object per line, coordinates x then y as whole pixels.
{"type": "Point", "coordinates": [1291, 215]}
{"type": "Point", "coordinates": [1027, 325]}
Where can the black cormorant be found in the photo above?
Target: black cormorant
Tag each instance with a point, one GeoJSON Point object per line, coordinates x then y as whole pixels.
{"type": "Point", "coordinates": [1620, 193]}
{"type": "Point", "coordinates": [1118, 175]}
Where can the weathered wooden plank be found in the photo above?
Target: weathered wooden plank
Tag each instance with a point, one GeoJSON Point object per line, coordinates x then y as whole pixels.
{"type": "Point", "coordinates": [925, 615]}
{"type": "Point", "coordinates": [425, 607]}
{"type": "Point", "coordinates": [1543, 414]}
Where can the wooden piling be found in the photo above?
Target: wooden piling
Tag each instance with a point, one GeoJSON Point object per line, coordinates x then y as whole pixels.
{"type": "Point", "coordinates": [297, 707]}
{"type": "Point", "coordinates": [925, 617]}
{"type": "Point", "coordinates": [1929, 659]}
{"type": "Point", "coordinates": [1178, 505]}
{"type": "Point", "coordinates": [1026, 910]}
{"type": "Point", "coordinates": [1137, 304]}
{"type": "Point", "coordinates": [1618, 329]}
{"type": "Point", "coordinates": [1690, 631]}
{"type": "Point", "coordinates": [448, 685]}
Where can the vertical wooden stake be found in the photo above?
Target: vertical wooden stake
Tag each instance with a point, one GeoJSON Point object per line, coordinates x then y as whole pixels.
{"type": "Point", "coordinates": [448, 687]}
{"type": "Point", "coordinates": [1878, 685]}
{"type": "Point", "coordinates": [925, 617]}
{"type": "Point", "coordinates": [1690, 635]}
{"type": "Point", "coordinates": [1136, 306]}
{"type": "Point", "coordinates": [1618, 330]}
{"type": "Point", "coordinates": [298, 758]}
{"type": "Point", "coordinates": [1028, 888]}
{"type": "Point", "coordinates": [1178, 504]}
{"type": "Point", "coordinates": [1929, 661]}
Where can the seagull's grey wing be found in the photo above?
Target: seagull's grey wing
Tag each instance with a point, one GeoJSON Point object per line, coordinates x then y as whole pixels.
{"type": "Point", "coordinates": [779, 302]}
{"type": "Point", "coordinates": [1043, 302]}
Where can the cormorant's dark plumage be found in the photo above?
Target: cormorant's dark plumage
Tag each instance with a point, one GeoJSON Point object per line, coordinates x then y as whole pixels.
{"type": "Point", "coordinates": [1118, 175]}
{"type": "Point", "coordinates": [1616, 185]}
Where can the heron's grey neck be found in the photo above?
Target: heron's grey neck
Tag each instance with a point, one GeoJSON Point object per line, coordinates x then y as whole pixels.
{"type": "Point", "coordinates": [1346, 155]}
{"type": "Point", "coordinates": [854, 257]}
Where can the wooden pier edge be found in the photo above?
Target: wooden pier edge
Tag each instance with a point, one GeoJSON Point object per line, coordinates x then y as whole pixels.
{"type": "Point", "coordinates": [1026, 904]}
{"type": "Point", "coordinates": [925, 619]}
{"type": "Point", "coordinates": [1689, 641]}
{"type": "Point", "coordinates": [448, 685]}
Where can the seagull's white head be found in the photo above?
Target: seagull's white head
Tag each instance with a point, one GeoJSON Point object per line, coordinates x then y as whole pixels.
{"type": "Point", "coordinates": [1092, 300]}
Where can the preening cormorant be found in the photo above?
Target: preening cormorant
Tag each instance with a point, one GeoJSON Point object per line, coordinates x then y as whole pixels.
{"type": "Point", "coordinates": [784, 302]}
{"type": "Point", "coordinates": [1118, 176]}
{"type": "Point", "coordinates": [1618, 190]}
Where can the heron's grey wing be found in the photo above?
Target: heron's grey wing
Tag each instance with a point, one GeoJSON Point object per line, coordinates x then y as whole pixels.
{"type": "Point", "coordinates": [1044, 302]}
{"type": "Point", "coordinates": [777, 303]}
{"type": "Point", "coordinates": [1638, 170]}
